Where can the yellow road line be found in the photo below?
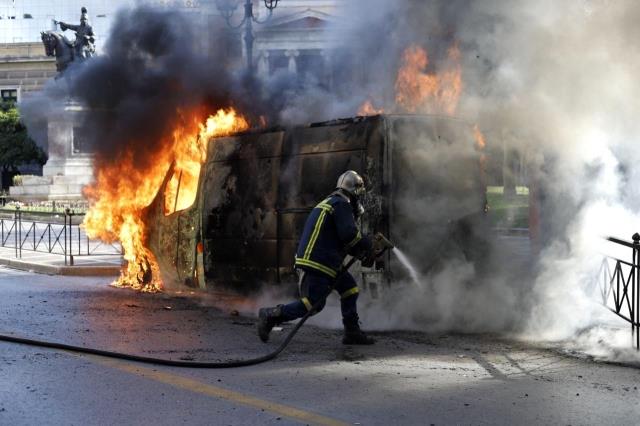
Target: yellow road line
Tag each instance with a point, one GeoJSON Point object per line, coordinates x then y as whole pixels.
{"type": "Point", "coordinates": [214, 391]}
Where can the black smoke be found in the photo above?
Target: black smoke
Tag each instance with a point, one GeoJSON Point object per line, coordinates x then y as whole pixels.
{"type": "Point", "coordinates": [151, 70]}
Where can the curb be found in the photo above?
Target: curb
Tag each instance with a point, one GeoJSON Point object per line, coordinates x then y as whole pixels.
{"type": "Point", "coordinates": [78, 271]}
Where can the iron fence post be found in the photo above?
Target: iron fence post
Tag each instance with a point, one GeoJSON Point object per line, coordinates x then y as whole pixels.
{"type": "Point", "coordinates": [79, 246]}
{"type": "Point", "coordinates": [20, 232]}
{"type": "Point", "coordinates": [71, 237]}
{"type": "Point", "coordinates": [15, 230]}
{"type": "Point", "coordinates": [635, 290]}
{"type": "Point", "coordinates": [64, 228]}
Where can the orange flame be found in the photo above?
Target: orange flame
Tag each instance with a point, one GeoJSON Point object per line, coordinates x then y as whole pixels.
{"type": "Point", "coordinates": [123, 189]}
{"type": "Point", "coordinates": [418, 91]}
{"type": "Point", "coordinates": [479, 137]}
{"type": "Point", "coordinates": [481, 144]}
{"type": "Point", "coordinates": [191, 152]}
{"type": "Point", "coordinates": [367, 108]}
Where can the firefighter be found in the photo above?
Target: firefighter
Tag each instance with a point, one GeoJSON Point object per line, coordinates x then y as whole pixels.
{"type": "Point", "coordinates": [329, 234]}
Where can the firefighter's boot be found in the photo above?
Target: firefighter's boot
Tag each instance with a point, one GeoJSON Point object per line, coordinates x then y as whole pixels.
{"type": "Point", "coordinates": [353, 335]}
{"type": "Point", "coordinates": [267, 319]}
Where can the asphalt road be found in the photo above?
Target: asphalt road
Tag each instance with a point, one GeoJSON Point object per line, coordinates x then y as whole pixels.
{"type": "Point", "coordinates": [407, 378]}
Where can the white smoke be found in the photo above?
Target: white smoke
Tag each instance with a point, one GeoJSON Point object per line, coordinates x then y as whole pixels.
{"type": "Point", "coordinates": [555, 80]}
{"type": "Point", "coordinates": [561, 78]}
{"type": "Point", "coordinates": [569, 72]}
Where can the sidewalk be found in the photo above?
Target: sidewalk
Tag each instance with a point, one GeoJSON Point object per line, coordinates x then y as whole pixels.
{"type": "Point", "coordinates": [53, 264]}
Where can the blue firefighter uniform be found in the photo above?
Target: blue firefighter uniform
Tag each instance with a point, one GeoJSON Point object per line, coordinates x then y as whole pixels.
{"type": "Point", "coordinates": [329, 234]}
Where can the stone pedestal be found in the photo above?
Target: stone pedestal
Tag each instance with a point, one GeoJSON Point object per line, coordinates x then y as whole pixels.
{"type": "Point", "coordinates": [69, 166]}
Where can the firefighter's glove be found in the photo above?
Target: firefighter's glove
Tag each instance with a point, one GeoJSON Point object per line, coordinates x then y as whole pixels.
{"type": "Point", "coordinates": [368, 260]}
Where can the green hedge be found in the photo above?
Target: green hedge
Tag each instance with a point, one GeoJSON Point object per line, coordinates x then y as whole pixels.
{"type": "Point", "coordinates": [510, 212]}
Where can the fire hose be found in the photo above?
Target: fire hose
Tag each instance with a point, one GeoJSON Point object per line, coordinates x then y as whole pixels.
{"type": "Point", "coordinates": [382, 245]}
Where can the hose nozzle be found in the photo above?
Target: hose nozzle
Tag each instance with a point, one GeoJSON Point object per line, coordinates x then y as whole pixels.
{"type": "Point", "coordinates": [381, 243]}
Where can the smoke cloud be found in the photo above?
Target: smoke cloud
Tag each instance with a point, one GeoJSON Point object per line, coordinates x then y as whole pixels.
{"type": "Point", "coordinates": [552, 80]}
{"type": "Point", "coordinates": [556, 80]}
{"type": "Point", "coordinates": [153, 69]}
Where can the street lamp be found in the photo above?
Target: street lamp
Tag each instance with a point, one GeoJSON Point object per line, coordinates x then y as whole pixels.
{"type": "Point", "coordinates": [227, 9]}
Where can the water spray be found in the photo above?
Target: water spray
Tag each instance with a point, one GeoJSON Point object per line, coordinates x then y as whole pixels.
{"type": "Point", "coordinates": [382, 244]}
{"type": "Point", "coordinates": [404, 260]}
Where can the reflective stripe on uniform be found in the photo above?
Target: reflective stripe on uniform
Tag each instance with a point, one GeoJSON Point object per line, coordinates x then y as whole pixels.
{"type": "Point", "coordinates": [307, 304]}
{"type": "Point", "coordinates": [349, 292]}
{"type": "Point", "coordinates": [326, 207]}
{"type": "Point", "coordinates": [357, 238]}
{"type": "Point", "coordinates": [317, 266]}
{"type": "Point", "coordinates": [314, 235]}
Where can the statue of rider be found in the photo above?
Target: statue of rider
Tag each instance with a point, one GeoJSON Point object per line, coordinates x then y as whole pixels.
{"type": "Point", "coordinates": [83, 45]}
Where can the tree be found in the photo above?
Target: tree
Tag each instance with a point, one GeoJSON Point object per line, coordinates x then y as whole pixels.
{"type": "Point", "coordinates": [16, 147]}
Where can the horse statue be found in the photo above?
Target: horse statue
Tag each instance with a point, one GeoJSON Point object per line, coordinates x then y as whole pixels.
{"type": "Point", "coordinates": [57, 45]}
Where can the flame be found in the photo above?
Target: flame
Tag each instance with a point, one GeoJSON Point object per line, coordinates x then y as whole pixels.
{"type": "Point", "coordinates": [124, 188]}
{"type": "Point", "coordinates": [367, 108]}
{"type": "Point", "coordinates": [418, 91]}
{"type": "Point", "coordinates": [190, 154]}
{"type": "Point", "coordinates": [481, 144]}
{"type": "Point", "coordinates": [479, 137]}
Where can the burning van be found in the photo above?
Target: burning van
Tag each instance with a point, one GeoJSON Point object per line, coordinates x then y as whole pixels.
{"type": "Point", "coordinates": [425, 190]}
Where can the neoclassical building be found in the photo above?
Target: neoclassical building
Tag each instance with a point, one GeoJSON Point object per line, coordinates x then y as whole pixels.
{"type": "Point", "coordinates": [296, 39]}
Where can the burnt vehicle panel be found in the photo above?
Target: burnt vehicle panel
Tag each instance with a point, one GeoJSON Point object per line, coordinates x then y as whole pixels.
{"type": "Point", "coordinates": [424, 189]}
{"type": "Point", "coordinates": [239, 220]}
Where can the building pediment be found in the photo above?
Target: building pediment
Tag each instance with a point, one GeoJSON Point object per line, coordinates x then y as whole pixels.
{"type": "Point", "coordinates": [307, 19]}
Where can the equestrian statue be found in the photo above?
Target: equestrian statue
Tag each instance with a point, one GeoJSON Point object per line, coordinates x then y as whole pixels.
{"type": "Point", "coordinates": [65, 51]}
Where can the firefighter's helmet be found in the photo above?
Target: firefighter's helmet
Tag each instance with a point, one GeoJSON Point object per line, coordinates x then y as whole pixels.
{"type": "Point", "coordinates": [352, 183]}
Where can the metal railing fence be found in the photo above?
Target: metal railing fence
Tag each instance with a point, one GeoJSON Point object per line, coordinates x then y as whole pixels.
{"type": "Point", "coordinates": [53, 233]}
{"type": "Point", "coordinates": [620, 285]}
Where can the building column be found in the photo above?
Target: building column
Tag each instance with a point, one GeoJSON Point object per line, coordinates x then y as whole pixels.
{"type": "Point", "coordinates": [328, 68]}
{"type": "Point", "coordinates": [263, 64]}
{"type": "Point", "coordinates": [292, 55]}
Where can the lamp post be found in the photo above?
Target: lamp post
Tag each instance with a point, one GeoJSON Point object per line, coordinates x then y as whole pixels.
{"type": "Point", "coordinates": [227, 9]}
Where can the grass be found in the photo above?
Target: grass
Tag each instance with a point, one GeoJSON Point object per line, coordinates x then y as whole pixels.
{"type": "Point", "coordinates": [508, 213]}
